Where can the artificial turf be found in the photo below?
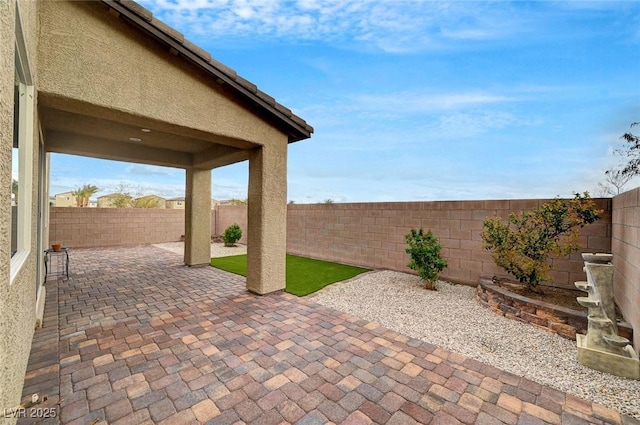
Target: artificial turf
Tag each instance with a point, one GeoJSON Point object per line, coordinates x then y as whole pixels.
{"type": "Point", "coordinates": [304, 275]}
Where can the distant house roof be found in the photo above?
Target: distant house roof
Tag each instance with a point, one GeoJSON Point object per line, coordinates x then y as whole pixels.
{"type": "Point", "coordinates": [69, 193]}
{"type": "Point", "coordinates": [175, 199]}
{"type": "Point", "coordinates": [132, 12]}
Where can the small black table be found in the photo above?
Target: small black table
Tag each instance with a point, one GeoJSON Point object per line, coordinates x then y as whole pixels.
{"type": "Point", "coordinates": [56, 263]}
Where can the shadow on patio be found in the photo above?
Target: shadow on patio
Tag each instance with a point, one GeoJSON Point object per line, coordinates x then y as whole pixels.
{"type": "Point", "coordinates": [136, 337]}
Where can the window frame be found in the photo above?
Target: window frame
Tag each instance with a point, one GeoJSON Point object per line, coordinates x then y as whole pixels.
{"type": "Point", "coordinates": [25, 119]}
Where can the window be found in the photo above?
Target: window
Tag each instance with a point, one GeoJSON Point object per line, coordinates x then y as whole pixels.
{"type": "Point", "coordinates": [15, 163]}
{"type": "Point", "coordinates": [21, 154]}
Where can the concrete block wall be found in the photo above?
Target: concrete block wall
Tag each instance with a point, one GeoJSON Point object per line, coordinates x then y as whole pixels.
{"type": "Point", "coordinates": [372, 234]}
{"type": "Point", "coordinates": [94, 227]}
{"type": "Point", "coordinates": [625, 247]}
{"type": "Point", "coordinates": [226, 215]}
{"type": "Point", "coordinates": [365, 234]}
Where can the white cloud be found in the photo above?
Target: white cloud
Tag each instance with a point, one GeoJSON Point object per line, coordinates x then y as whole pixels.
{"type": "Point", "coordinates": [150, 170]}
{"type": "Point", "coordinates": [419, 103]}
{"type": "Point", "coordinates": [391, 26]}
{"type": "Point", "coordinates": [461, 124]}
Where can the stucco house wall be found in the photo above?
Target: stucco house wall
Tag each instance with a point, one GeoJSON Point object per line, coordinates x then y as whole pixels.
{"type": "Point", "coordinates": [17, 281]}
{"type": "Point", "coordinates": [176, 90]}
{"type": "Point", "coordinates": [81, 35]}
{"type": "Point", "coordinates": [65, 199]}
{"type": "Point", "coordinates": [175, 204]}
{"type": "Point", "coordinates": [207, 116]}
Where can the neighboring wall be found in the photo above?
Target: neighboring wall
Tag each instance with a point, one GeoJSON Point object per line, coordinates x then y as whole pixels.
{"type": "Point", "coordinates": [625, 247]}
{"type": "Point", "coordinates": [93, 227]}
{"type": "Point", "coordinates": [372, 234]}
{"type": "Point", "coordinates": [367, 234]}
{"type": "Point", "coordinates": [225, 216]}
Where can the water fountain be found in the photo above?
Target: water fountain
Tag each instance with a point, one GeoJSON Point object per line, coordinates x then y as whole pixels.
{"type": "Point", "coordinates": [602, 348]}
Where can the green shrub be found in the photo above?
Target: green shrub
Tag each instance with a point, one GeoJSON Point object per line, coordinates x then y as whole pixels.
{"type": "Point", "coordinates": [232, 234]}
{"type": "Point", "coordinates": [424, 249]}
{"type": "Point", "coordinates": [525, 244]}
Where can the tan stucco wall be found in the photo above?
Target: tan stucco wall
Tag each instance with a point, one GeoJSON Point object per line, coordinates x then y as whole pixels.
{"type": "Point", "coordinates": [197, 213]}
{"type": "Point", "coordinates": [174, 205]}
{"type": "Point", "coordinates": [86, 63]}
{"type": "Point", "coordinates": [65, 200]}
{"type": "Point", "coordinates": [17, 303]}
{"type": "Point", "coordinates": [89, 55]}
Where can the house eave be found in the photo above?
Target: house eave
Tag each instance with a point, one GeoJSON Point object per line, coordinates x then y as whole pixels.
{"type": "Point", "coordinates": [295, 127]}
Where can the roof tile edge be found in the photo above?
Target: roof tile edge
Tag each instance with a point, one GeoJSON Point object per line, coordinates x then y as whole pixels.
{"type": "Point", "coordinates": [147, 15]}
{"type": "Point", "coordinates": [170, 31]}
{"type": "Point", "coordinates": [137, 9]}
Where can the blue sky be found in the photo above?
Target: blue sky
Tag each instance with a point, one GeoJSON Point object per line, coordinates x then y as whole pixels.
{"type": "Point", "coordinates": [417, 100]}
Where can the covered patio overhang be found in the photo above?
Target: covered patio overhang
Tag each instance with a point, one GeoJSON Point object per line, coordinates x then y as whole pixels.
{"type": "Point", "coordinates": [116, 83]}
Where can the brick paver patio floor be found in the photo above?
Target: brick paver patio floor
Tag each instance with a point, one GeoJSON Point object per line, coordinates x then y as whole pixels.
{"type": "Point", "coordinates": [135, 337]}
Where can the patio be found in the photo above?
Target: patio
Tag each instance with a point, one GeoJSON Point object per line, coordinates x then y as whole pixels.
{"type": "Point", "coordinates": [137, 337]}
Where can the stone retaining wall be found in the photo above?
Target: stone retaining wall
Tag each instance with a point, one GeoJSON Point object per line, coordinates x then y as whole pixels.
{"type": "Point", "coordinates": [559, 320]}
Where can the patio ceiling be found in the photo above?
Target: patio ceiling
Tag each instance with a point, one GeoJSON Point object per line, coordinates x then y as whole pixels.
{"type": "Point", "coordinates": [76, 128]}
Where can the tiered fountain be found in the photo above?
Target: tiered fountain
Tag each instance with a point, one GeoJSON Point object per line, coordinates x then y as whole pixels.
{"type": "Point", "coordinates": [602, 348]}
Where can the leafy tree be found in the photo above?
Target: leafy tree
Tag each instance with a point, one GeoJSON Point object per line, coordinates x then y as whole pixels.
{"type": "Point", "coordinates": [127, 196]}
{"type": "Point", "coordinates": [425, 251]}
{"type": "Point", "coordinates": [148, 201]}
{"type": "Point", "coordinates": [83, 194]}
{"type": "Point", "coordinates": [525, 244]}
{"type": "Point", "coordinates": [121, 200]}
{"type": "Point", "coordinates": [633, 151]}
{"type": "Point", "coordinates": [234, 201]}
{"type": "Point", "coordinates": [328, 201]}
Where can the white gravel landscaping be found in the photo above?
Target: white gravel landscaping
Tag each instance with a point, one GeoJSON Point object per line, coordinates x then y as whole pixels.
{"type": "Point", "coordinates": [451, 318]}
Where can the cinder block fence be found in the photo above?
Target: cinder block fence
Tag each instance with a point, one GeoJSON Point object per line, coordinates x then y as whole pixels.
{"type": "Point", "coordinates": [372, 235]}
{"type": "Point", "coordinates": [365, 234]}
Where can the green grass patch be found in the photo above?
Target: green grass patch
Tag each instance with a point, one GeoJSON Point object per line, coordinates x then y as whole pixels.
{"type": "Point", "coordinates": [304, 275]}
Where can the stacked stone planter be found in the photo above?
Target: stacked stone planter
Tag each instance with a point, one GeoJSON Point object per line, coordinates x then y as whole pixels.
{"type": "Point", "coordinates": [559, 320]}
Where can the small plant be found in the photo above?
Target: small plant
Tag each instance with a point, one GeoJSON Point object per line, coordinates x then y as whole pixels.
{"type": "Point", "coordinates": [525, 244]}
{"type": "Point", "coordinates": [232, 234]}
{"type": "Point", "coordinates": [424, 249]}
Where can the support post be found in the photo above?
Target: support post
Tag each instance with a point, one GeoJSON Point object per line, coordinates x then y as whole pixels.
{"type": "Point", "coordinates": [267, 220]}
{"type": "Point", "coordinates": [197, 217]}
